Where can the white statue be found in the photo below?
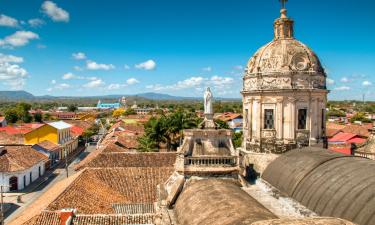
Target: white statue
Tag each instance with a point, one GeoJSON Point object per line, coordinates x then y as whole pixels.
{"type": "Point", "coordinates": [208, 109]}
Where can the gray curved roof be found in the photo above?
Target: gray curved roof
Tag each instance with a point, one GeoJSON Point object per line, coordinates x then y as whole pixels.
{"type": "Point", "coordinates": [218, 201]}
{"type": "Point", "coordinates": [330, 184]}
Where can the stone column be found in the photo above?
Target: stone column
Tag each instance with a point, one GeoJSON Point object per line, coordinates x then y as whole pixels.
{"type": "Point", "coordinates": [315, 119]}
{"type": "Point", "coordinates": [292, 114]}
{"type": "Point", "coordinates": [279, 121]}
{"type": "Point", "coordinates": [250, 118]}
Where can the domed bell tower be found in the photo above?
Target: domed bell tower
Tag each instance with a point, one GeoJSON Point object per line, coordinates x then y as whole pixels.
{"type": "Point", "coordinates": [284, 94]}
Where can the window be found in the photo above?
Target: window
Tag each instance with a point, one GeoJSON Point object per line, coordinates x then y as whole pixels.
{"type": "Point", "coordinates": [302, 118]}
{"type": "Point", "coordinates": [268, 119]}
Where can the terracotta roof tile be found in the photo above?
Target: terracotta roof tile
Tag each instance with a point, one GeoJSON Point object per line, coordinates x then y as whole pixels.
{"type": "Point", "coordinates": [11, 139]}
{"type": "Point", "coordinates": [154, 159]}
{"type": "Point", "coordinates": [18, 158]}
{"type": "Point", "coordinates": [49, 146]}
{"type": "Point", "coordinates": [95, 190]}
{"type": "Point", "coordinates": [359, 130]}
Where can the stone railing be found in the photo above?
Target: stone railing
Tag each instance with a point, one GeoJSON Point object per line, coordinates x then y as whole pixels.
{"type": "Point", "coordinates": [368, 155]}
{"type": "Point", "coordinates": [211, 161]}
{"type": "Point", "coordinates": [269, 134]}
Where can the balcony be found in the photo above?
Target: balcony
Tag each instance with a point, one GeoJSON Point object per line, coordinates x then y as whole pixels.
{"type": "Point", "coordinates": [211, 161]}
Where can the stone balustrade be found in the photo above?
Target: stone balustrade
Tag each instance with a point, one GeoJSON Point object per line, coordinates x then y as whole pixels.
{"type": "Point", "coordinates": [211, 161]}
{"type": "Point", "coordinates": [368, 155]}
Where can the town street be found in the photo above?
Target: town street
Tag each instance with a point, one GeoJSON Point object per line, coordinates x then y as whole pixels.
{"type": "Point", "coordinates": [40, 186]}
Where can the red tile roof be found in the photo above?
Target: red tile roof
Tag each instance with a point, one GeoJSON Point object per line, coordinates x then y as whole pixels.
{"type": "Point", "coordinates": [11, 139]}
{"type": "Point", "coordinates": [342, 137]}
{"type": "Point", "coordinates": [229, 116]}
{"type": "Point", "coordinates": [359, 130]}
{"type": "Point", "coordinates": [96, 190]}
{"type": "Point", "coordinates": [76, 131]}
{"type": "Point", "coordinates": [19, 158]}
{"type": "Point", "coordinates": [49, 146]}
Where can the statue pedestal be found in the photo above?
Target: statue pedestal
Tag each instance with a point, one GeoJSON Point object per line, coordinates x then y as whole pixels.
{"type": "Point", "coordinates": [208, 122]}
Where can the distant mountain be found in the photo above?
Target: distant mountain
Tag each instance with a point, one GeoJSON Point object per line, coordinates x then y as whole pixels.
{"type": "Point", "coordinates": [24, 95]}
{"type": "Point", "coordinates": [16, 95]}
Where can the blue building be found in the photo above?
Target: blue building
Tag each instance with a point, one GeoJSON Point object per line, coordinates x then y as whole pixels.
{"type": "Point", "coordinates": [101, 105]}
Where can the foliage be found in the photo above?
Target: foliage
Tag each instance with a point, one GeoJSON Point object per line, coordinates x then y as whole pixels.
{"type": "Point", "coordinates": [336, 113]}
{"type": "Point", "coordinates": [11, 115]}
{"type": "Point", "coordinates": [360, 117]}
{"type": "Point", "coordinates": [91, 131]}
{"type": "Point", "coordinates": [129, 111]}
{"type": "Point", "coordinates": [222, 124]}
{"type": "Point", "coordinates": [72, 108]}
{"type": "Point", "coordinates": [237, 139]}
{"type": "Point", "coordinates": [118, 112]}
{"type": "Point", "coordinates": [47, 116]}
{"type": "Point", "coordinates": [167, 130]}
{"type": "Point", "coordinates": [146, 144]}
{"type": "Point", "coordinates": [38, 117]}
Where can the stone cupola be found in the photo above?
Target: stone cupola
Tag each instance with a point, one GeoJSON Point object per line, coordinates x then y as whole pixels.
{"type": "Point", "coordinates": [283, 26]}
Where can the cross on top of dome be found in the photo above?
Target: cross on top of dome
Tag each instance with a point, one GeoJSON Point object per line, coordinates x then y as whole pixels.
{"type": "Point", "coordinates": [283, 2]}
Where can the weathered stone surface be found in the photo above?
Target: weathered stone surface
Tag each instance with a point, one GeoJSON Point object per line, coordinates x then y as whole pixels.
{"type": "Point", "coordinates": [330, 184]}
{"type": "Point", "coordinates": [306, 221]}
{"type": "Point", "coordinates": [259, 161]}
{"type": "Point", "coordinates": [218, 201]}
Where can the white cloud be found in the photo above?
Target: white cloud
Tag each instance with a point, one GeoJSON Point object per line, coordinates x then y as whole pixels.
{"type": "Point", "coordinates": [53, 81]}
{"type": "Point", "coordinates": [148, 65]}
{"type": "Point", "coordinates": [344, 80]}
{"type": "Point", "coordinates": [79, 55]}
{"type": "Point", "coordinates": [62, 86]}
{"type": "Point", "coordinates": [126, 67]}
{"type": "Point", "coordinates": [114, 86]}
{"type": "Point", "coordinates": [366, 83]}
{"type": "Point", "coordinates": [10, 59]}
{"type": "Point", "coordinates": [330, 81]}
{"type": "Point", "coordinates": [207, 69]}
{"type": "Point", "coordinates": [36, 22]}
{"type": "Point", "coordinates": [54, 12]}
{"type": "Point", "coordinates": [19, 38]}
{"type": "Point", "coordinates": [221, 81]}
{"type": "Point", "coordinates": [49, 89]}
{"type": "Point", "coordinates": [131, 81]}
{"type": "Point", "coordinates": [70, 76]}
{"type": "Point", "coordinates": [342, 88]}
{"type": "Point", "coordinates": [198, 83]}
{"type": "Point", "coordinates": [94, 84]}
{"type": "Point", "coordinates": [12, 74]}
{"type": "Point", "coordinates": [91, 65]}
{"type": "Point", "coordinates": [8, 21]}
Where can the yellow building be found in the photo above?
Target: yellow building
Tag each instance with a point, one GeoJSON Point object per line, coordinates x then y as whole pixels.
{"type": "Point", "coordinates": [55, 132]}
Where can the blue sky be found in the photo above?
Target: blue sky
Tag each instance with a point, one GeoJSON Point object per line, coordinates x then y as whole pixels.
{"type": "Point", "coordinates": [99, 47]}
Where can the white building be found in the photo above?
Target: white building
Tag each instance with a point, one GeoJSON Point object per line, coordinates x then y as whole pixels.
{"type": "Point", "coordinates": [284, 94]}
{"type": "Point", "coordinates": [20, 166]}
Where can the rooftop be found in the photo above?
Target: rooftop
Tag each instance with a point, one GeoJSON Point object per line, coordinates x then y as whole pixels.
{"type": "Point", "coordinates": [96, 190]}
{"type": "Point", "coordinates": [19, 158]}
{"type": "Point", "coordinates": [60, 125]}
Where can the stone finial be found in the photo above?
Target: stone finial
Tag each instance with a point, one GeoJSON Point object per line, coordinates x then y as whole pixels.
{"type": "Point", "coordinates": [283, 26]}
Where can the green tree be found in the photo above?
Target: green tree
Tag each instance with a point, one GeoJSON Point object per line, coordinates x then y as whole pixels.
{"type": "Point", "coordinates": [47, 117]}
{"type": "Point", "coordinates": [129, 111]}
{"type": "Point", "coordinates": [360, 117]}
{"type": "Point", "coordinates": [11, 115]}
{"type": "Point", "coordinates": [38, 117]}
{"type": "Point", "coordinates": [23, 109]}
{"type": "Point", "coordinates": [146, 144]}
{"type": "Point", "coordinates": [72, 108]}
{"type": "Point", "coordinates": [222, 124]}
{"type": "Point", "coordinates": [237, 139]}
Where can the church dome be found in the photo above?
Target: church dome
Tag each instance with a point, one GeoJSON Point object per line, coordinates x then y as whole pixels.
{"type": "Point", "coordinates": [284, 53]}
